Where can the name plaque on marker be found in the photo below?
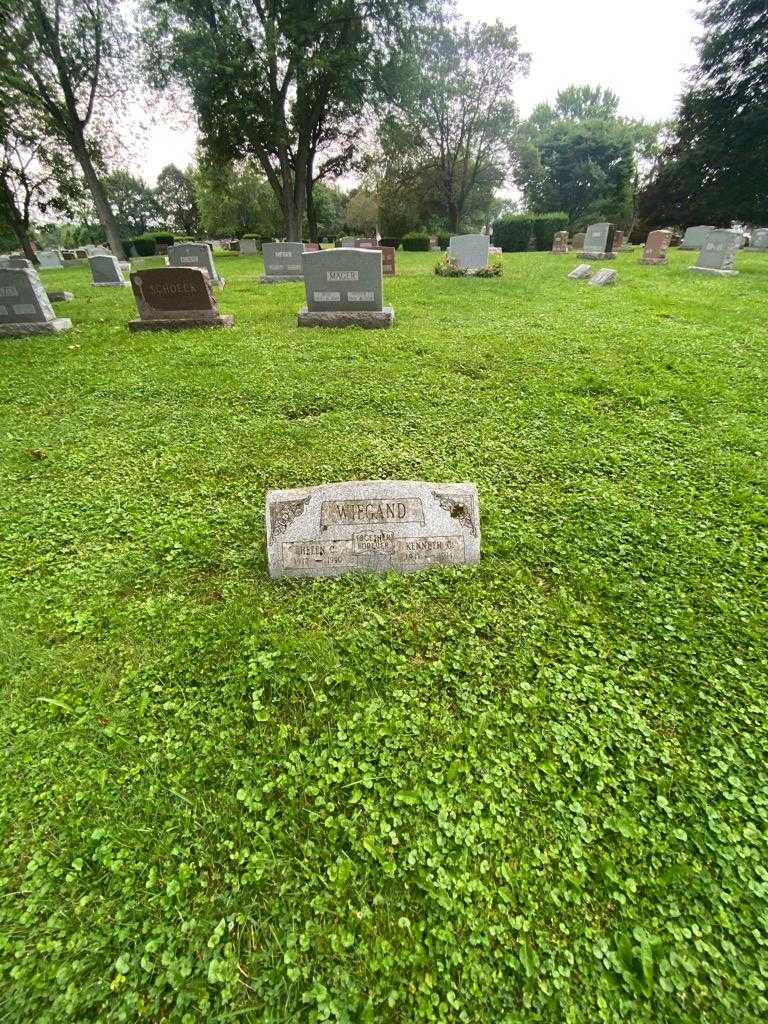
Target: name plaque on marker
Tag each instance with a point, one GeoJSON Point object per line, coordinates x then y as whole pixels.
{"type": "Point", "coordinates": [371, 526]}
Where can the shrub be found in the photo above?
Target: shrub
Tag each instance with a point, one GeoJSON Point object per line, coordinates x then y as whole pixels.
{"type": "Point", "coordinates": [251, 236]}
{"type": "Point", "coordinates": [447, 267]}
{"type": "Point", "coordinates": [145, 245]}
{"type": "Point", "coordinates": [443, 239]}
{"type": "Point", "coordinates": [393, 242]}
{"type": "Point", "coordinates": [416, 241]}
{"type": "Point", "coordinates": [544, 226]}
{"type": "Point", "coordinates": [163, 237]}
{"type": "Point", "coordinates": [513, 232]}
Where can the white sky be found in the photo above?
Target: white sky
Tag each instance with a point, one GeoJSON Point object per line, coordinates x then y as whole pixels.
{"type": "Point", "coordinates": [638, 49]}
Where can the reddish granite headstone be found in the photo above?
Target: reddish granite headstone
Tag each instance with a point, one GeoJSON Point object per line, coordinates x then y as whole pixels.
{"type": "Point", "coordinates": [175, 297]}
{"type": "Point", "coordinates": [560, 242]}
{"type": "Point", "coordinates": [656, 245]}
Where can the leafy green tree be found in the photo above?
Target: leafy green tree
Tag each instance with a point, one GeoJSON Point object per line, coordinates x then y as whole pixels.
{"type": "Point", "coordinates": [175, 197]}
{"type": "Point", "coordinates": [235, 200]}
{"type": "Point", "coordinates": [63, 61]}
{"type": "Point", "coordinates": [133, 202]}
{"type": "Point", "coordinates": [271, 78]}
{"type": "Point", "coordinates": [452, 114]}
{"type": "Point", "coordinates": [362, 213]}
{"type": "Point", "coordinates": [329, 206]}
{"type": "Point", "coordinates": [581, 157]}
{"type": "Point", "coordinates": [715, 168]}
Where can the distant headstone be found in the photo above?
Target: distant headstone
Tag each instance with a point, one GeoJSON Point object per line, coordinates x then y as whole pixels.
{"type": "Point", "coordinates": [311, 247]}
{"type": "Point", "coordinates": [24, 306]}
{"type": "Point", "coordinates": [371, 526]}
{"type": "Point", "coordinates": [68, 255]}
{"type": "Point", "coordinates": [581, 273]}
{"type": "Point", "coordinates": [344, 288]}
{"type": "Point", "coordinates": [282, 262]}
{"type": "Point", "coordinates": [719, 253]}
{"type": "Point", "coordinates": [598, 242]}
{"type": "Point", "coordinates": [388, 260]}
{"type": "Point", "coordinates": [348, 243]}
{"type": "Point", "coordinates": [577, 242]}
{"type": "Point", "coordinates": [618, 240]}
{"type": "Point", "coordinates": [694, 238]}
{"type": "Point", "coordinates": [434, 243]}
{"type": "Point", "coordinates": [560, 242]}
{"type": "Point", "coordinates": [106, 273]}
{"type": "Point", "coordinates": [759, 239]}
{"type": "Point", "coordinates": [175, 297]}
{"type": "Point", "coordinates": [656, 246]}
{"type": "Point", "coordinates": [81, 254]}
{"type": "Point", "coordinates": [603, 277]}
{"type": "Point", "coordinates": [59, 296]}
{"type": "Point", "coordinates": [50, 259]}
{"type": "Point", "coordinates": [366, 243]}
{"type": "Point", "coordinates": [470, 252]}
{"type": "Point", "coordinates": [195, 254]}
{"type": "Point", "coordinates": [249, 247]}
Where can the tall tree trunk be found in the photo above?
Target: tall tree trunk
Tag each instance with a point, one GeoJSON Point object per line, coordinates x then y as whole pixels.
{"type": "Point", "coordinates": [311, 211]}
{"type": "Point", "coordinates": [100, 201]}
{"type": "Point", "coordinates": [17, 223]}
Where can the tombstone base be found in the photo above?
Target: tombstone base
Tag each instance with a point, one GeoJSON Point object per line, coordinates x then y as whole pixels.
{"type": "Point", "coordinates": [181, 323]}
{"type": "Point", "coordinates": [347, 318]}
{"type": "Point", "coordinates": [60, 296]}
{"type": "Point", "coordinates": [710, 270]}
{"type": "Point", "coordinates": [597, 255]}
{"type": "Point", "coordinates": [45, 327]}
{"type": "Point", "coordinates": [280, 278]}
{"type": "Point", "coordinates": [110, 284]}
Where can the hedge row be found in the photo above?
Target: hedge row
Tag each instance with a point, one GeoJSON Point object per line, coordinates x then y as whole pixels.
{"type": "Point", "coordinates": [518, 232]}
{"type": "Point", "coordinates": [146, 244]}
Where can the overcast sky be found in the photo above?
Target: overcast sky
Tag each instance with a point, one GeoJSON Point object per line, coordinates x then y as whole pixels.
{"type": "Point", "coordinates": [638, 49]}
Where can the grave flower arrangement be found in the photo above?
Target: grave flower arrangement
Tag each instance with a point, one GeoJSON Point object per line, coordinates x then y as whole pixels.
{"type": "Point", "coordinates": [447, 267]}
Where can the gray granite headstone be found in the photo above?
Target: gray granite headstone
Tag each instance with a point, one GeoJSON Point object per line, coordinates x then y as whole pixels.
{"type": "Point", "coordinates": [470, 252]}
{"type": "Point", "coordinates": [249, 247]}
{"type": "Point", "coordinates": [344, 287]}
{"type": "Point", "coordinates": [718, 254]}
{"type": "Point", "coordinates": [604, 276]}
{"type": "Point", "coordinates": [175, 297]}
{"type": "Point", "coordinates": [598, 242]}
{"type": "Point", "coordinates": [195, 254]}
{"type": "Point", "coordinates": [656, 246]}
{"type": "Point", "coordinates": [759, 239]}
{"type": "Point", "coordinates": [371, 526]}
{"type": "Point", "coordinates": [581, 273]}
{"type": "Point", "coordinates": [50, 259]}
{"type": "Point", "coordinates": [694, 238]}
{"type": "Point", "coordinates": [24, 306]}
{"type": "Point", "coordinates": [20, 263]}
{"type": "Point", "coordinates": [106, 272]}
{"type": "Point", "coordinates": [282, 262]}
{"type": "Point", "coordinates": [348, 243]}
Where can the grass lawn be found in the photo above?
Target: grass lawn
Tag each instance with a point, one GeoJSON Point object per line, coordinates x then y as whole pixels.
{"type": "Point", "coordinates": [532, 790]}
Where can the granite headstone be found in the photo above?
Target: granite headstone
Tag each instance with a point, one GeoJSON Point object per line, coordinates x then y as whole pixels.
{"type": "Point", "coordinates": [249, 247]}
{"type": "Point", "coordinates": [282, 262]}
{"type": "Point", "coordinates": [598, 242]}
{"type": "Point", "coordinates": [656, 246]}
{"type": "Point", "coordinates": [718, 254]}
{"type": "Point", "coordinates": [759, 239]}
{"type": "Point", "coordinates": [24, 306]}
{"type": "Point", "coordinates": [175, 297]}
{"type": "Point", "coordinates": [50, 259]}
{"type": "Point", "coordinates": [695, 237]}
{"type": "Point", "coordinates": [560, 242]}
{"type": "Point", "coordinates": [470, 252]}
{"type": "Point", "coordinates": [344, 287]}
{"type": "Point", "coordinates": [106, 272]}
{"type": "Point", "coordinates": [578, 241]}
{"type": "Point", "coordinates": [195, 254]}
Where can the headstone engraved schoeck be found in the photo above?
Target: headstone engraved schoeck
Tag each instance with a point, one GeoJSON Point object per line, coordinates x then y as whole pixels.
{"type": "Point", "coordinates": [195, 254]}
{"type": "Point", "coordinates": [695, 237]}
{"type": "Point", "coordinates": [656, 246]}
{"type": "Point", "coordinates": [560, 242]}
{"type": "Point", "coordinates": [371, 526]}
{"type": "Point", "coordinates": [282, 262]}
{"type": "Point", "coordinates": [344, 288]}
{"type": "Point", "coordinates": [581, 273]}
{"type": "Point", "coordinates": [598, 242]}
{"type": "Point", "coordinates": [718, 254]}
{"type": "Point", "coordinates": [470, 252]}
{"type": "Point", "coordinates": [106, 272]}
{"type": "Point", "coordinates": [603, 277]}
{"type": "Point", "coordinates": [175, 297]}
{"type": "Point", "coordinates": [24, 306]}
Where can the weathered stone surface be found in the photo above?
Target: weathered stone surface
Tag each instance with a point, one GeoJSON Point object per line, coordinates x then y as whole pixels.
{"type": "Point", "coordinates": [656, 246]}
{"type": "Point", "coordinates": [107, 272]}
{"type": "Point", "coordinates": [20, 263]}
{"type": "Point", "coordinates": [603, 277]}
{"type": "Point", "coordinates": [578, 241]}
{"type": "Point", "coordinates": [50, 259]}
{"type": "Point", "coordinates": [560, 242]}
{"type": "Point", "coordinates": [338, 280]}
{"type": "Point", "coordinates": [581, 273]}
{"type": "Point", "coordinates": [195, 254]}
{"type": "Point", "coordinates": [24, 306]}
{"type": "Point", "coordinates": [311, 247]}
{"type": "Point", "coordinates": [371, 526]}
{"type": "Point", "coordinates": [348, 243]}
{"type": "Point", "coordinates": [249, 247]}
{"type": "Point", "coordinates": [469, 251]}
{"type": "Point", "coordinates": [175, 297]}
{"type": "Point", "coordinates": [618, 240]}
{"type": "Point", "coordinates": [282, 262]}
{"type": "Point", "coordinates": [694, 238]}
{"type": "Point", "coordinates": [60, 296]}
{"type": "Point", "coordinates": [387, 260]}
{"type": "Point", "coordinates": [718, 254]}
{"type": "Point", "coordinates": [759, 239]}
{"type": "Point", "coordinates": [598, 242]}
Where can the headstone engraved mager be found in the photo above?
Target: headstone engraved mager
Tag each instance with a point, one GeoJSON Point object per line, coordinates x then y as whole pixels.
{"type": "Point", "coordinates": [371, 526]}
{"type": "Point", "coordinates": [175, 297]}
{"type": "Point", "coordinates": [470, 252]}
{"type": "Point", "coordinates": [344, 288]}
{"type": "Point", "coordinates": [282, 262]}
{"type": "Point", "coordinates": [24, 306]}
{"type": "Point", "coordinates": [718, 254]}
{"type": "Point", "coordinates": [695, 237]}
{"type": "Point", "coordinates": [656, 246]}
{"type": "Point", "coordinates": [195, 254]}
{"type": "Point", "coordinates": [598, 242]}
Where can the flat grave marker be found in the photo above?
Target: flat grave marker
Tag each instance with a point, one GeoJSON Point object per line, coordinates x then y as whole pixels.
{"type": "Point", "coordinates": [24, 307]}
{"type": "Point", "coordinates": [581, 273]}
{"type": "Point", "coordinates": [282, 262]}
{"type": "Point", "coordinates": [604, 276]}
{"type": "Point", "coordinates": [175, 298]}
{"type": "Point", "coordinates": [344, 288]}
{"type": "Point", "coordinates": [371, 526]}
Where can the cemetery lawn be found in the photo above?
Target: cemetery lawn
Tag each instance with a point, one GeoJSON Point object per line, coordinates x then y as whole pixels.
{"type": "Point", "coordinates": [531, 790]}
